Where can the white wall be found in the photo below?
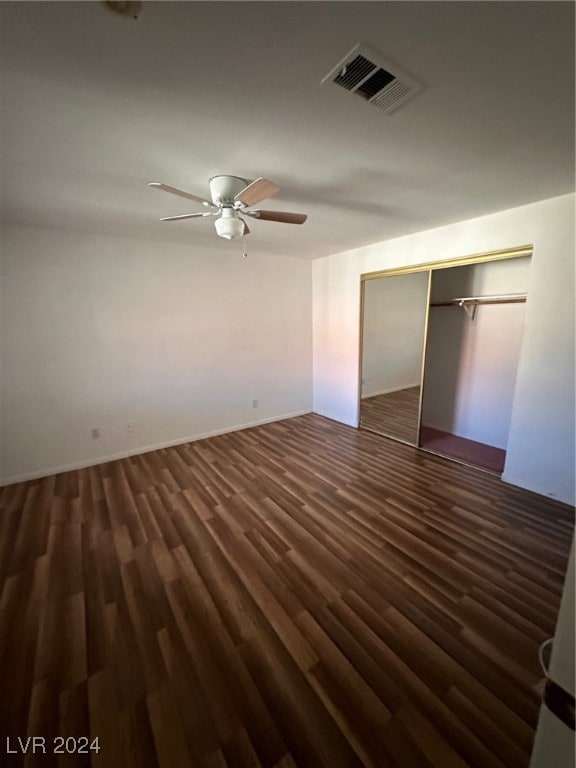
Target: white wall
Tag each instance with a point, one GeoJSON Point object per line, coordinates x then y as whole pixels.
{"type": "Point", "coordinates": [393, 335]}
{"type": "Point", "coordinates": [471, 363]}
{"type": "Point", "coordinates": [541, 443]}
{"type": "Point", "coordinates": [102, 332]}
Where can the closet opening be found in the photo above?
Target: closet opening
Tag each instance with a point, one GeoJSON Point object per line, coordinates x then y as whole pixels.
{"type": "Point", "coordinates": [440, 347]}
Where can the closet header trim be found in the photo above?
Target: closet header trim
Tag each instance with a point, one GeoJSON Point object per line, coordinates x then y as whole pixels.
{"type": "Point", "coordinates": [477, 258]}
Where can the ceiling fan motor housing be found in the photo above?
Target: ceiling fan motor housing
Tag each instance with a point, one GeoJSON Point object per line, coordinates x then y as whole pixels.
{"type": "Point", "coordinates": [223, 189]}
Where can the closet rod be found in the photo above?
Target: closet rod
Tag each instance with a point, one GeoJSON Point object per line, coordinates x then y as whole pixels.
{"type": "Point", "coordinates": [510, 298]}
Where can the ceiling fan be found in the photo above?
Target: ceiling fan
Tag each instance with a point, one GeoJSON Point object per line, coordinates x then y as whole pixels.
{"type": "Point", "coordinates": [232, 196]}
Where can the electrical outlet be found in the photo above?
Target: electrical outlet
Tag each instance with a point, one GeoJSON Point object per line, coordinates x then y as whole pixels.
{"type": "Point", "coordinates": [254, 403]}
{"type": "Point", "coordinates": [95, 433]}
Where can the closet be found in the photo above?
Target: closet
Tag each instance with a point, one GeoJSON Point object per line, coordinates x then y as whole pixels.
{"type": "Point", "coordinates": [440, 345]}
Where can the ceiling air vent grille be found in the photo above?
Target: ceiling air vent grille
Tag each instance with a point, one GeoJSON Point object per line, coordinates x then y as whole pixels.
{"type": "Point", "coordinates": [351, 75]}
{"type": "Point", "coordinates": [366, 74]}
{"type": "Point", "coordinates": [386, 100]}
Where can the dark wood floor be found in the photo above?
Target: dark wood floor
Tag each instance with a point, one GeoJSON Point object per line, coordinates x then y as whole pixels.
{"type": "Point", "coordinates": [297, 594]}
{"type": "Point", "coordinates": [395, 414]}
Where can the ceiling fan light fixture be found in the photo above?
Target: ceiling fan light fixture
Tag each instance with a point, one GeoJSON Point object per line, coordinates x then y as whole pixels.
{"type": "Point", "coordinates": [229, 225]}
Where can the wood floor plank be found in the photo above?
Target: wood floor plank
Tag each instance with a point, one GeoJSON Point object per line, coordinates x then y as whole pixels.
{"type": "Point", "coordinates": [491, 733]}
{"type": "Point", "coordinates": [297, 595]}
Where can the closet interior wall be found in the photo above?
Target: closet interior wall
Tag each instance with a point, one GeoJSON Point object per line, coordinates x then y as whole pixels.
{"type": "Point", "coordinates": [472, 356]}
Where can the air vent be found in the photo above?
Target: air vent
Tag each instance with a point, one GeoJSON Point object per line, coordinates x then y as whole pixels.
{"type": "Point", "coordinates": [375, 80]}
{"type": "Point", "coordinates": [351, 75]}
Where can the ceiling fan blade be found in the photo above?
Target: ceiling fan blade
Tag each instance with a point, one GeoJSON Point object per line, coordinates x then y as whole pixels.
{"type": "Point", "coordinates": [174, 191]}
{"type": "Point", "coordinates": [258, 190]}
{"type": "Point", "coordinates": [187, 216]}
{"type": "Point", "coordinates": [282, 216]}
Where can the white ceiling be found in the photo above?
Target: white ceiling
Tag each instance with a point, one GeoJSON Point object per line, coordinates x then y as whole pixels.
{"type": "Point", "coordinates": [94, 106]}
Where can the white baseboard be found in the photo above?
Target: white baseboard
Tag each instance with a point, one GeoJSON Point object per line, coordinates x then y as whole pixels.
{"type": "Point", "coordinates": [46, 472]}
{"type": "Point", "coordinates": [391, 389]}
{"type": "Point", "coordinates": [528, 485]}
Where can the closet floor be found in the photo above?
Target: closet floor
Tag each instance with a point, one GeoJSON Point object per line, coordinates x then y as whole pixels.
{"type": "Point", "coordinates": [453, 446]}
